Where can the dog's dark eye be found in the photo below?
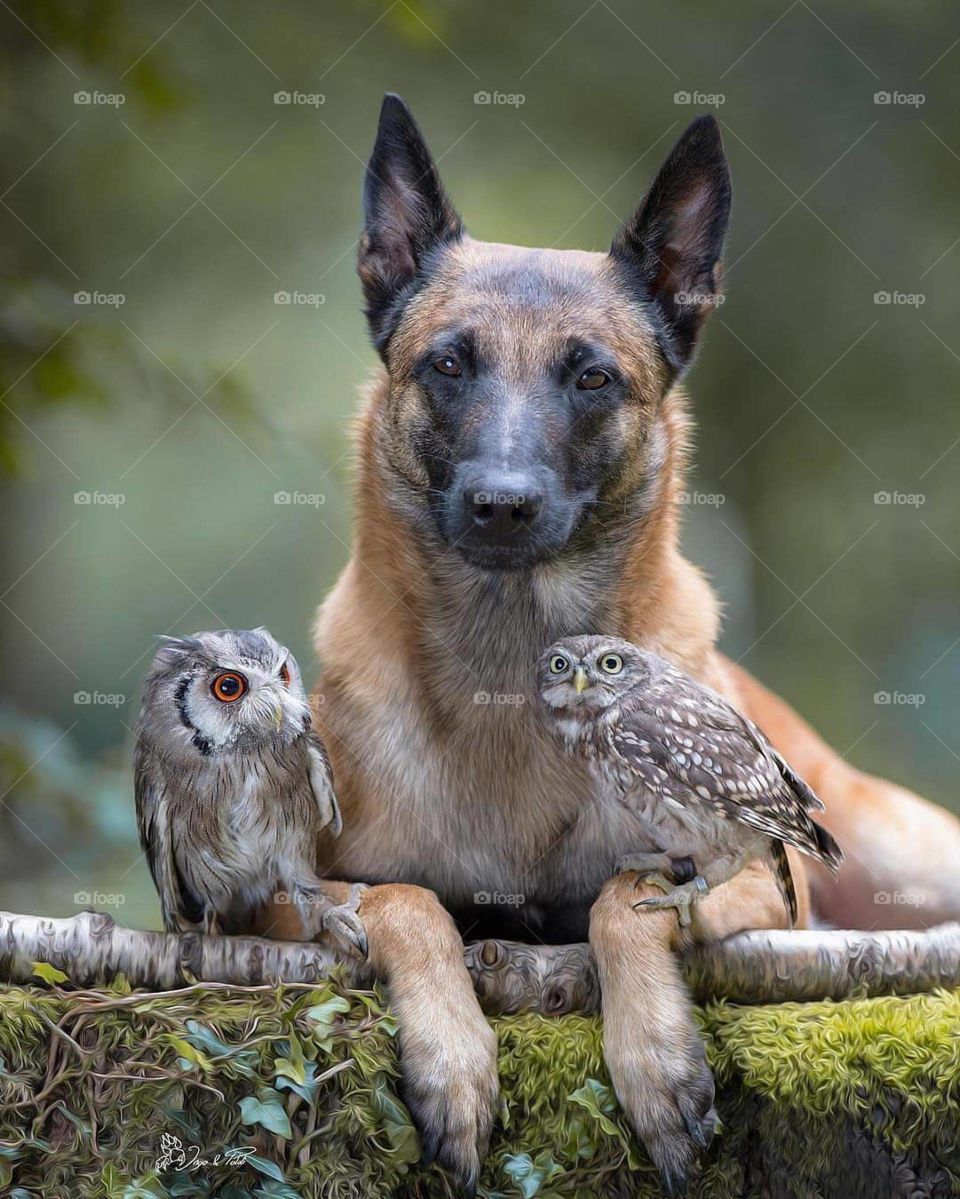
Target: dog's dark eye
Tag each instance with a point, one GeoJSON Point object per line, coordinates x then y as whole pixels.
{"type": "Point", "coordinates": [593, 380]}
{"type": "Point", "coordinates": [448, 364]}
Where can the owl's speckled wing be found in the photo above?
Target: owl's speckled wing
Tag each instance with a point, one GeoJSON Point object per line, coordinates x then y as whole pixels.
{"type": "Point", "coordinates": [321, 784]}
{"type": "Point", "coordinates": [177, 903]}
{"type": "Point", "coordinates": [679, 738]}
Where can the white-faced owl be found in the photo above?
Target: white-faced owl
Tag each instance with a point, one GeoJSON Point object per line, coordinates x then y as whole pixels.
{"type": "Point", "coordinates": [708, 791]}
{"type": "Point", "coordinates": [233, 787]}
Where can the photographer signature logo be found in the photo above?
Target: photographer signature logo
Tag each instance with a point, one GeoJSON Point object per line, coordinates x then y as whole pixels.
{"type": "Point", "coordinates": [174, 1155]}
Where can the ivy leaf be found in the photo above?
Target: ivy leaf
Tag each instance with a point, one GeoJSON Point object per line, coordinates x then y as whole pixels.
{"type": "Point", "coordinates": [291, 1066]}
{"type": "Point", "coordinates": [264, 1166]}
{"type": "Point", "coordinates": [306, 1089]}
{"type": "Point", "coordinates": [242, 1061]}
{"type": "Point", "coordinates": [600, 1102]}
{"type": "Point", "coordinates": [49, 974]}
{"type": "Point", "coordinates": [185, 1187]}
{"type": "Point", "coordinates": [401, 1132]}
{"type": "Point", "coordinates": [190, 1056]}
{"type": "Point", "coordinates": [326, 1012]}
{"type": "Point", "coordinates": [276, 1190]}
{"type": "Point", "coordinates": [323, 1015]}
{"type": "Point", "coordinates": [266, 1108]}
{"type": "Point", "coordinates": [204, 1038]}
{"type": "Point", "coordinates": [530, 1175]}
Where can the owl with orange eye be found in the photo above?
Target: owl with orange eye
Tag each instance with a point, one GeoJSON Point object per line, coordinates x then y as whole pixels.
{"type": "Point", "coordinates": [233, 787]}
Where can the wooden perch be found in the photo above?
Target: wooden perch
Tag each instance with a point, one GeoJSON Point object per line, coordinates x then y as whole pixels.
{"type": "Point", "coordinates": [755, 967]}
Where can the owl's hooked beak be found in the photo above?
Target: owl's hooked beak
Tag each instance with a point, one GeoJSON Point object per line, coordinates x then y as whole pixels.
{"type": "Point", "coordinates": [580, 680]}
{"type": "Point", "coordinates": [278, 716]}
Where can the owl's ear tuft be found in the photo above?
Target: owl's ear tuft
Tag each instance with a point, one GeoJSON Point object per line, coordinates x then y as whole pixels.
{"type": "Point", "coordinates": [180, 645]}
{"type": "Point", "coordinates": [407, 216]}
{"type": "Point", "coordinates": [670, 248]}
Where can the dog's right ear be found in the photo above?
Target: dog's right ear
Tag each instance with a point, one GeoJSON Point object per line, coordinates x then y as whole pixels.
{"type": "Point", "coordinates": [407, 215]}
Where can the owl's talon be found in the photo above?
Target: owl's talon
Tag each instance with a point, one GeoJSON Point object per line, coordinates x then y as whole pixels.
{"type": "Point", "coordinates": [344, 925]}
{"type": "Point", "coordinates": [643, 863]}
{"type": "Point", "coordinates": [675, 897]}
{"type": "Point", "coordinates": [657, 879]}
{"type": "Point", "coordinates": [346, 929]}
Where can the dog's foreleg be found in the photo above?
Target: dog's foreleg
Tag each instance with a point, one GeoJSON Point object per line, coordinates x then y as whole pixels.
{"type": "Point", "coordinates": [650, 1042]}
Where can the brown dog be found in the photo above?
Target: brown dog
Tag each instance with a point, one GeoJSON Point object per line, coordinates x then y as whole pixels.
{"type": "Point", "coordinates": [521, 454]}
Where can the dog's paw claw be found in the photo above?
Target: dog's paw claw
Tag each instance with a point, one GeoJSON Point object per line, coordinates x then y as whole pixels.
{"type": "Point", "coordinates": [452, 1097]}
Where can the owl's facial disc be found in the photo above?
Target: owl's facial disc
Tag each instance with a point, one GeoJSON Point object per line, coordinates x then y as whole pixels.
{"type": "Point", "coordinates": [570, 683]}
{"type": "Point", "coordinates": [243, 704]}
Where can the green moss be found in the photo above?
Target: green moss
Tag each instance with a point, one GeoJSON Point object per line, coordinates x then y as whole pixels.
{"type": "Point", "coordinates": [824, 1099]}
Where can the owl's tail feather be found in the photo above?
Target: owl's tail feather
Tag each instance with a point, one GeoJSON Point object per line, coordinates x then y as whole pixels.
{"type": "Point", "coordinates": [829, 851]}
{"type": "Point", "coordinates": [784, 877]}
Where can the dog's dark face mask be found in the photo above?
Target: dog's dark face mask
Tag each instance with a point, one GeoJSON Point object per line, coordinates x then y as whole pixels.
{"type": "Point", "coordinates": [525, 385]}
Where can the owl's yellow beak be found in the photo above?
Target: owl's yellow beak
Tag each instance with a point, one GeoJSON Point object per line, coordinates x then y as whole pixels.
{"type": "Point", "coordinates": [278, 716]}
{"type": "Point", "coordinates": [580, 680]}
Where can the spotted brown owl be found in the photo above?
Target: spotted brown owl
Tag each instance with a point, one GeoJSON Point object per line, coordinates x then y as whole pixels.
{"type": "Point", "coordinates": [704, 784]}
{"type": "Point", "coordinates": [233, 787]}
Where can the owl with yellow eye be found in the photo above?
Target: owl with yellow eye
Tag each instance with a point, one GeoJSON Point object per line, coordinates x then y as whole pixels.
{"type": "Point", "coordinates": [707, 791]}
{"type": "Point", "coordinates": [233, 787]}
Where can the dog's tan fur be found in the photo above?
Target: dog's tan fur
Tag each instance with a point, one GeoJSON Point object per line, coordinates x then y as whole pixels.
{"type": "Point", "coordinates": [444, 797]}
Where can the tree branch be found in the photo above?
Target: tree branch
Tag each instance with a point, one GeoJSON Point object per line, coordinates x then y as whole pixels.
{"type": "Point", "coordinates": [755, 967]}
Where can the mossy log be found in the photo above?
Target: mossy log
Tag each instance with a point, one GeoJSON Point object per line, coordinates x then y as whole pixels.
{"type": "Point", "coordinates": [757, 967]}
{"type": "Point", "coordinates": [292, 1092]}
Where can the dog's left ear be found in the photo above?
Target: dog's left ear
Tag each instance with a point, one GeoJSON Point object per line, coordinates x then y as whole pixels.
{"type": "Point", "coordinates": [406, 216]}
{"type": "Point", "coordinates": [672, 244]}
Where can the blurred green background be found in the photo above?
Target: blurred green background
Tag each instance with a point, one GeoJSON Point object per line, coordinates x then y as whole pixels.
{"type": "Point", "coordinates": [146, 158]}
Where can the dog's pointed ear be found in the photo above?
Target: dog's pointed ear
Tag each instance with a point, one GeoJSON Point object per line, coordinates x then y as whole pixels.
{"type": "Point", "coordinates": [672, 244]}
{"type": "Point", "coordinates": [406, 215]}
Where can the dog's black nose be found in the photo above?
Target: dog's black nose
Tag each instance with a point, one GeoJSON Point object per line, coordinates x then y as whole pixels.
{"type": "Point", "coordinates": [501, 509]}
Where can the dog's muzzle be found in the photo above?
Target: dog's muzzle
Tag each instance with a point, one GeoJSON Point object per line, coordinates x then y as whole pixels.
{"type": "Point", "coordinates": [506, 519]}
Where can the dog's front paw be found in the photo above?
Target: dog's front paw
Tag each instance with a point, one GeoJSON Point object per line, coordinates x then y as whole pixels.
{"type": "Point", "coordinates": [451, 1088]}
{"type": "Point", "coordinates": [667, 1092]}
